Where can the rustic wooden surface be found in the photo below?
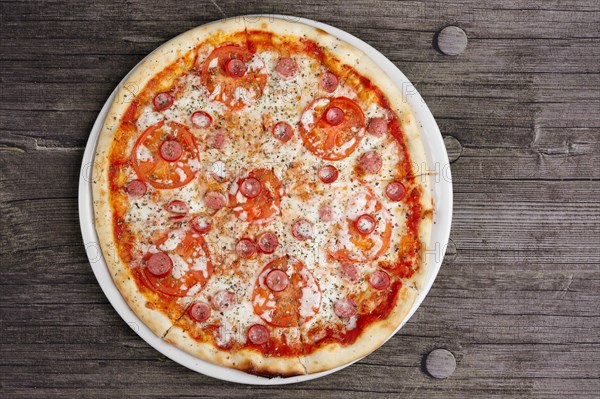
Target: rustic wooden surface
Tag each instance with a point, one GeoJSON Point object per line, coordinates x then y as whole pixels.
{"type": "Point", "coordinates": [517, 300]}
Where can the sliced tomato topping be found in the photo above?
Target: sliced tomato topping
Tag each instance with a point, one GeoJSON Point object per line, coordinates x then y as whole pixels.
{"type": "Point", "coordinates": [332, 128]}
{"type": "Point", "coordinates": [286, 301]}
{"type": "Point", "coordinates": [189, 249]}
{"type": "Point", "coordinates": [362, 236]}
{"type": "Point", "coordinates": [267, 242]}
{"type": "Point", "coordinates": [199, 311]}
{"type": "Point", "coordinates": [328, 174]}
{"type": "Point", "coordinates": [150, 160]}
{"type": "Point", "coordinates": [232, 79]}
{"type": "Point", "coordinates": [258, 334]}
{"type": "Point", "coordinates": [265, 205]}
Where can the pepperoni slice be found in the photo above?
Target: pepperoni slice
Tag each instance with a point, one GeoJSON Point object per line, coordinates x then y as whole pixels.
{"type": "Point", "coordinates": [215, 200]}
{"type": "Point", "coordinates": [234, 75]}
{"type": "Point", "coordinates": [286, 306]}
{"type": "Point", "coordinates": [267, 242]}
{"type": "Point", "coordinates": [163, 101]}
{"type": "Point", "coordinates": [250, 187]}
{"type": "Point", "coordinates": [178, 207]}
{"type": "Point", "coordinates": [218, 139]}
{"type": "Point", "coordinates": [345, 308]}
{"type": "Point", "coordinates": [395, 191]}
{"type": "Point", "coordinates": [245, 248]}
{"type": "Point", "coordinates": [352, 241]}
{"type": "Point", "coordinates": [201, 119]}
{"type": "Point", "coordinates": [302, 229]}
{"type": "Point", "coordinates": [262, 208]}
{"type": "Point", "coordinates": [277, 280]}
{"type": "Point", "coordinates": [329, 82]}
{"type": "Point", "coordinates": [150, 158]}
{"type": "Point", "coordinates": [334, 115]}
{"type": "Point", "coordinates": [365, 224]}
{"type": "Point", "coordinates": [326, 213]}
{"type": "Point", "coordinates": [377, 126]}
{"type": "Point", "coordinates": [202, 224]}
{"type": "Point", "coordinates": [223, 300]}
{"type": "Point", "coordinates": [235, 68]}
{"type": "Point", "coordinates": [380, 280]}
{"type": "Point", "coordinates": [332, 128]}
{"type": "Point", "coordinates": [370, 162]}
{"type": "Point", "coordinates": [283, 131]}
{"type": "Point", "coordinates": [258, 334]}
{"type": "Point", "coordinates": [159, 264]}
{"type": "Point", "coordinates": [199, 311]}
{"type": "Point", "coordinates": [136, 188]}
{"type": "Point", "coordinates": [187, 249]}
{"type": "Point", "coordinates": [328, 174]}
{"type": "Point", "coordinates": [286, 67]}
{"type": "Point", "coordinates": [171, 150]}
{"type": "Point", "coordinates": [349, 272]}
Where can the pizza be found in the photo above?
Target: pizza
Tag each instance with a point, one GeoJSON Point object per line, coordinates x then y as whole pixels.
{"type": "Point", "coordinates": [260, 198]}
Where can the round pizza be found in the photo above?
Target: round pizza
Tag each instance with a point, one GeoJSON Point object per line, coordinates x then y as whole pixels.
{"type": "Point", "coordinates": [260, 197]}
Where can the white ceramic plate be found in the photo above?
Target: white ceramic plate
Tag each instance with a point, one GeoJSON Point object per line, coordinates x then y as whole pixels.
{"type": "Point", "coordinates": [441, 187]}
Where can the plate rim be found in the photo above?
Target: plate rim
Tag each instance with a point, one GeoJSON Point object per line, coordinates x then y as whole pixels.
{"type": "Point", "coordinates": [436, 154]}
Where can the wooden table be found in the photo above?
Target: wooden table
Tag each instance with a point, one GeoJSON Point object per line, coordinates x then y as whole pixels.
{"type": "Point", "coordinates": [517, 299]}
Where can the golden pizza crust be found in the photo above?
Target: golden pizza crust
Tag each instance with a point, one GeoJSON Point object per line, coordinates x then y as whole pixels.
{"type": "Point", "coordinates": [327, 357]}
{"type": "Point", "coordinates": [155, 320]}
{"type": "Point", "coordinates": [246, 360]}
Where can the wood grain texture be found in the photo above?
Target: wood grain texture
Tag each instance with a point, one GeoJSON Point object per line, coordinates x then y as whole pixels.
{"type": "Point", "coordinates": [517, 301]}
